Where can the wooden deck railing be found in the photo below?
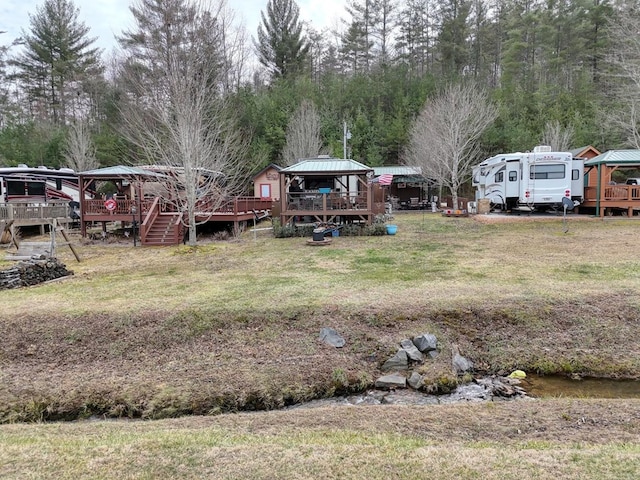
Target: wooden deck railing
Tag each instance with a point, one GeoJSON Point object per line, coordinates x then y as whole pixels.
{"type": "Point", "coordinates": [20, 211]}
{"type": "Point", "coordinates": [614, 193]}
{"type": "Point", "coordinates": [313, 201]}
{"type": "Point", "coordinates": [123, 207]}
{"type": "Point", "coordinates": [241, 205]}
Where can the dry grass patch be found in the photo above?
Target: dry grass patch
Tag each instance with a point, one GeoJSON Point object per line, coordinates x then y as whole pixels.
{"type": "Point", "coordinates": [158, 332]}
{"type": "Point", "coordinates": [230, 326]}
{"type": "Point", "coordinates": [535, 439]}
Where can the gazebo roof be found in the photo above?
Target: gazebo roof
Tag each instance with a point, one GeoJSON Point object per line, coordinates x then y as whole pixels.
{"type": "Point", "coordinates": [119, 171]}
{"type": "Point", "coordinates": [326, 165]}
{"type": "Point", "coordinates": [615, 157]}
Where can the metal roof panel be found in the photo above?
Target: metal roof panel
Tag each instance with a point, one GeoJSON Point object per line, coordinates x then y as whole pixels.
{"type": "Point", "coordinates": [613, 157]}
{"type": "Point", "coordinates": [397, 170]}
{"type": "Point", "coordinates": [326, 165]}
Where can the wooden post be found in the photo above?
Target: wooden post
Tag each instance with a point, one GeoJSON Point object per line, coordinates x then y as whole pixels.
{"type": "Point", "coordinates": [66, 239]}
{"type": "Point", "coordinates": [52, 250]}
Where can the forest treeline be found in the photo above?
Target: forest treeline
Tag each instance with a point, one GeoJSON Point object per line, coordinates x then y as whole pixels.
{"type": "Point", "coordinates": [563, 66]}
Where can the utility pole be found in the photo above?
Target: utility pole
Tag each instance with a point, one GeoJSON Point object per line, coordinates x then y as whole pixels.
{"type": "Point", "coordinates": [345, 136]}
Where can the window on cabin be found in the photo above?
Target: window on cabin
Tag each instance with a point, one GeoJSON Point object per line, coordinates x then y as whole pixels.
{"type": "Point", "coordinates": [513, 176]}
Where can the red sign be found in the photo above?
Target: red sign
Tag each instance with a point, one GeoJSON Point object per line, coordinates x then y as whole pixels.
{"type": "Point", "coordinates": [110, 204]}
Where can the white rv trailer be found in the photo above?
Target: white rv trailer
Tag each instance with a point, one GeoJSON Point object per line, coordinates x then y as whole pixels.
{"type": "Point", "coordinates": [39, 185]}
{"type": "Point", "coordinates": [537, 180]}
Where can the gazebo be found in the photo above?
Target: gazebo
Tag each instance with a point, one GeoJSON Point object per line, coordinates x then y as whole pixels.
{"type": "Point", "coordinates": [601, 192]}
{"type": "Point", "coordinates": [128, 204]}
{"type": "Point", "coordinates": [326, 189]}
{"type": "Point", "coordinates": [408, 189]}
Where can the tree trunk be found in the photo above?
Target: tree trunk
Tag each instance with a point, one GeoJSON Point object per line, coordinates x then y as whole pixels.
{"type": "Point", "coordinates": [192, 228]}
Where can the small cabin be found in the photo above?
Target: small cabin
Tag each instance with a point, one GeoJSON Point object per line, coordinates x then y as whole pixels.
{"type": "Point", "coordinates": [266, 183]}
{"type": "Point", "coordinates": [406, 187]}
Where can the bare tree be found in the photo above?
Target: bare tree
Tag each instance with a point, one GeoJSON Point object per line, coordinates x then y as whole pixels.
{"type": "Point", "coordinates": [623, 32]}
{"type": "Point", "coordinates": [79, 152]}
{"type": "Point", "coordinates": [182, 121]}
{"type": "Point", "coordinates": [444, 139]}
{"type": "Point", "coordinates": [303, 134]}
{"type": "Point", "coordinates": [558, 137]}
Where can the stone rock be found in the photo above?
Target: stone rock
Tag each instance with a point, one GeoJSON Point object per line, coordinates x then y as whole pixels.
{"type": "Point", "coordinates": [461, 364]}
{"type": "Point", "coordinates": [412, 352]}
{"type": "Point", "coordinates": [501, 386]}
{"type": "Point", "coordinates": [398, 362]}
{"type": "Point", "coordinates": [433, 354]}
{"type": "Point", "coordinates": [425, 342]}
{"type": "Point", "coordinates": [388, 382]}
{"type": "Point", "coordinates": [416, 381]}
{"type": "Point", "coordinates": [330, 336]}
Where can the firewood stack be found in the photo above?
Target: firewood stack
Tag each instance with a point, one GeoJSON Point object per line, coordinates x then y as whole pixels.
{"type": "Point", "coordinates": [36, 270]}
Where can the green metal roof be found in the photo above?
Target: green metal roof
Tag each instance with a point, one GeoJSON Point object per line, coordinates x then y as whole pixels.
{"type": "Point", "coordinates": [615, 157]}
{"type": "Point", "coordinates": [397, 170]}
{"type": "Point", "coordinates": [326, 165]}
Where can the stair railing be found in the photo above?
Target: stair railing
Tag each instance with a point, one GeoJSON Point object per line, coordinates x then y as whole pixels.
{"type": "Point", "coordinates": [152, 214]}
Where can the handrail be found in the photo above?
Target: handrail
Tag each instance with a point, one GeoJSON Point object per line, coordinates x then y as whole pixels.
{"type": "Point", "coordinates": [150, 217]}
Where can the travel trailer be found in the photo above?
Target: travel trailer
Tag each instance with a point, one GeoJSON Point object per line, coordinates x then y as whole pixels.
{"type": "Point", "coordinates": [531, 181]}
{"type": "Point", "coordinates": [39, 185]}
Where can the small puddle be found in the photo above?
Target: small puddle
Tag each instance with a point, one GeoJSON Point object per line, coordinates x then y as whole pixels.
{"type": "Point", "coordinates": [554, 386]}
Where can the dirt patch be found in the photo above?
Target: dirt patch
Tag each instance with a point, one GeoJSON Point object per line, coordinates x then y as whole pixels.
{"type": "Point", "coordinates": [531, 217]}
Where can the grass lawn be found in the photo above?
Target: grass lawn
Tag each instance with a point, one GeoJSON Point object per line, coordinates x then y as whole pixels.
{"type": "Point", "coordinates": [233, 326]}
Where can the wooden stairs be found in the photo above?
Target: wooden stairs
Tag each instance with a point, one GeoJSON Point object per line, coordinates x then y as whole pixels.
{"type": "Point", "coordinates": [161, 228]}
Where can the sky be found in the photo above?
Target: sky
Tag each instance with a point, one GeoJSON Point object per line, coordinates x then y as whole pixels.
{"type": "Point", "coordinates": [107, 18]}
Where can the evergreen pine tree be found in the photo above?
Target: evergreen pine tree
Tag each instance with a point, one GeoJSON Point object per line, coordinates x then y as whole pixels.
{"type": "Point", "coordinates": [57, 58]}
{"type": "Point", "coordinates": [281, 46]}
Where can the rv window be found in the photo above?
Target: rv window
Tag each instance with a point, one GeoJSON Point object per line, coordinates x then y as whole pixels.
{"type": "Point", "coordinates": [499, 177]}
{"type": "Point", "coordinates": [35, 188]}
{"type": "Point", "coordinates": [16, 188]}
{"type": "Point", "coordinates": [513, 176]}
{"type": "Point", "coordinates": [575, 174]}
{"type": "Point", "coordinates": [546, 172]}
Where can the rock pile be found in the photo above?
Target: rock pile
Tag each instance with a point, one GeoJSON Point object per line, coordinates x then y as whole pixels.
{"type": "Point", "coordinates": [32, 272]}
{"type": "Point", "coordinates": [415, 351]}
{"type": "Point", "coordinates": [411, 352]}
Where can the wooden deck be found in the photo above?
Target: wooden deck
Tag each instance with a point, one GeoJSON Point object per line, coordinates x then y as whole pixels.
{"type": "Point", "coordinates": [23, 214]}
{"type": "Point", "coordinates": [625, 198]}
{"type": "Point", "coordinates": [331, 207]}
{"type": "Point", "coordinates": [159, 225]}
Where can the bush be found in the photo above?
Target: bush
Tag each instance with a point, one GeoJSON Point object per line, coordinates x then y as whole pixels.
{"type": "Point", "coordinates": [376, 229]}
{"type": "Point", "coordinates": [346, 230]}
{"type": "Point", "coordinates": [288, 231]}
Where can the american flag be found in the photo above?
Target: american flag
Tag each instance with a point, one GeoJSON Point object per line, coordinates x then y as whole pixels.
{"type": "Point", "coordinates": [385, 179]}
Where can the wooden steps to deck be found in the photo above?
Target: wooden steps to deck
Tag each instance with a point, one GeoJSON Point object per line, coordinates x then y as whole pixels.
{"type": "Point", "coordinates": [164, 231]}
